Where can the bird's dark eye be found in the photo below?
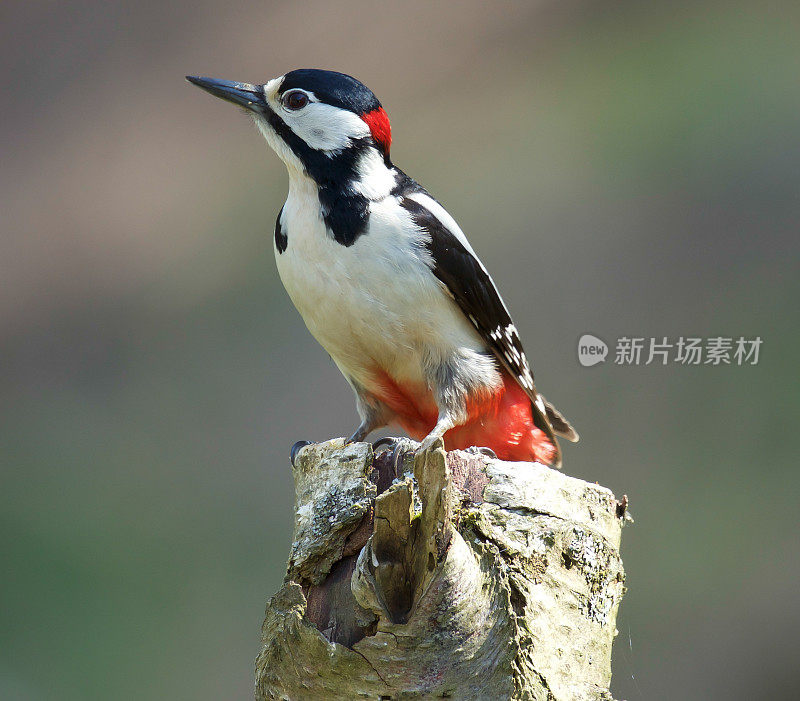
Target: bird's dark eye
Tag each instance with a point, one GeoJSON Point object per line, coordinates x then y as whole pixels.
{"type": "Point", "coordinates": [295, 100]}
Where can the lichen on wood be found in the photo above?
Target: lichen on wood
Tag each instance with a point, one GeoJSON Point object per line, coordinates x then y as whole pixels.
{"type": "Point", "coordinates": [425, 575]}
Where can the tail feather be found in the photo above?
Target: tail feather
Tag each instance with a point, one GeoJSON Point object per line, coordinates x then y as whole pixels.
{"type": "Point", "coordinates": [561, 427]}
{"type": "Point", "coordinates": [543, 430]}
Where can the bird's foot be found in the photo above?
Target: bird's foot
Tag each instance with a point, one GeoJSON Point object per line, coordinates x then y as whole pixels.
{"type": "Point", "coordinates": [397, 446]}
{"type": "Point", "coordinates": [393, 450]}
{"type": "Point", "coordinates": [360, 434]}
{"type": "Point", "coordinates": [481, 450]}
{"type": "Point", "coordinates": [295, 450]}
{"type": "Point", "coordinates": [387, 443]}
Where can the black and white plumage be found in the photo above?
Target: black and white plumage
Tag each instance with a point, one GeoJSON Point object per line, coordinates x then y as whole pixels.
{"type": "Point", "coordinates": [385, 279]}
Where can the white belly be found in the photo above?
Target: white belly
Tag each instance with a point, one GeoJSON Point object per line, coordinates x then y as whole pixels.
{"type": "Point", "coordinates": [375, 304]}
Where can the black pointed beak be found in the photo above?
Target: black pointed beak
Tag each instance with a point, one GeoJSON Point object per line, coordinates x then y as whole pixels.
{"type": "Point", "coordinates": [243, 94]}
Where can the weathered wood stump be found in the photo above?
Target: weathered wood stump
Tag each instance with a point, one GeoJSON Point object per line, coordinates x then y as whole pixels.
{"type": "Point", "coordinates": [433, 576]}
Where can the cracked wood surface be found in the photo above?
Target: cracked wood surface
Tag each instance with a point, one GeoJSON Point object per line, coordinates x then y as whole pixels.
{"type": "Point", "coordinates": [433, 576]}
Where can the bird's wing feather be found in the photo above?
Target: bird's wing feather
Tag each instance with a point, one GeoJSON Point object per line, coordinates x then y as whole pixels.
{"type": "Point", "coordinates": [457, 266]}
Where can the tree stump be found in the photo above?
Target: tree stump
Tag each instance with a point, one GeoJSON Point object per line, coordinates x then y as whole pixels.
{"type": "Point", "coordinates": [443, 576]}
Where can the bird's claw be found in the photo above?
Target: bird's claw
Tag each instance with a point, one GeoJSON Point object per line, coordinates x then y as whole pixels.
{"type": "Point", "coordinates": [295, 450]}
{"type": "Point", "coordinates": [387, 443]}
{"type": "Point", "coordinates": [398, 447]}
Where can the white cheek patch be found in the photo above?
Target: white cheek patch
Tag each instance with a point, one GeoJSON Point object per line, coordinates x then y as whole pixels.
{"type": "Point", "coordinates": [325, 127]}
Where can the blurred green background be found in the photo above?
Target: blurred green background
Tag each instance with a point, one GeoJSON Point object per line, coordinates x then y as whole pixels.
{"type": "Point", "coordinates": [623, 168]}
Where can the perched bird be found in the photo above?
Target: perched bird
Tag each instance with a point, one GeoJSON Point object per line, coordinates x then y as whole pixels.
{"type": "Point", "coordinates": [385, 279]}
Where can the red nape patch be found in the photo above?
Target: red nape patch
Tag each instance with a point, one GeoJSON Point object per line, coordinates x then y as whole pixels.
{"type": "Point", "coordinates": [378, 123]}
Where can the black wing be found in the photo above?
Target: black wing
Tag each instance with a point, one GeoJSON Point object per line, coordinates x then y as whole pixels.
{"type": "Point", "coordinates": [474, 291]}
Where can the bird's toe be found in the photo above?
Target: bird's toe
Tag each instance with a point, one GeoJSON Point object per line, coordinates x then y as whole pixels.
{"type": "Point", "coordinates": [386, 443]}
{"type": "Point", "coordinates": [295, 450]}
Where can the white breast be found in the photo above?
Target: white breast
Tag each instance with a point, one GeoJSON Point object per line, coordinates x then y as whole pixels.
{"type": "Point", "coordinates": [375, 304]}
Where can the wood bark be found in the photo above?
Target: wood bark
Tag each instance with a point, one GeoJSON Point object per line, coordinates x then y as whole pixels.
{"type": "Point", "coordinates": [438, 575]}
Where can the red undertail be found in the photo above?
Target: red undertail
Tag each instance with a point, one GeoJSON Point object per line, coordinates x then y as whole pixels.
{"type": "Point", "coordinates": [502, 421]}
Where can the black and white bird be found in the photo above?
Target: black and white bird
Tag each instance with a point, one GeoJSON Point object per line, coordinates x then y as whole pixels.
{"type": "Point", "coordinates": [385, 279]}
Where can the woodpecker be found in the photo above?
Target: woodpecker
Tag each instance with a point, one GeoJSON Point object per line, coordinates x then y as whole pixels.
{"type": "Point", "coordinates": [385, 279]}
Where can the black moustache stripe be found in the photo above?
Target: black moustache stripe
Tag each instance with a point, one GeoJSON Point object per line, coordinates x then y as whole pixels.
{"type": "Point", "coordinates": [345, 212]}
